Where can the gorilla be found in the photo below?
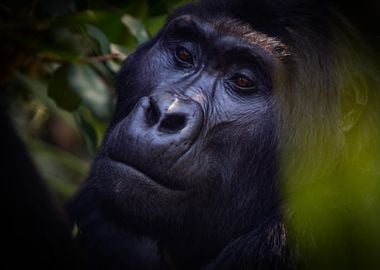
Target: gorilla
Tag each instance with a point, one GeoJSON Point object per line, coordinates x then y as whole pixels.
{"type": "Point", "coordinates": [228, 103]}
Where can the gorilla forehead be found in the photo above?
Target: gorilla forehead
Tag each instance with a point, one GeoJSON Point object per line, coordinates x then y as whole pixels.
{"type": "Point", "coordinates": [237, 28]}
{"type": "Point", "coordinates": [227, 26]}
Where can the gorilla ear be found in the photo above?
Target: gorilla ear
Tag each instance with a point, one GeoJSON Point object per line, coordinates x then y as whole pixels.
{"type": "Point", "coordinates": [353, 100]}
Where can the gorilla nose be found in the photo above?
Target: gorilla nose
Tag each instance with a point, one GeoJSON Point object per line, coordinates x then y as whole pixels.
{"type": "Point", "coordinates": [170, 114]}
{"type": "Point", "coordinates": [172, 123]}
{"type": "Point", "coordinates": [161, 126]}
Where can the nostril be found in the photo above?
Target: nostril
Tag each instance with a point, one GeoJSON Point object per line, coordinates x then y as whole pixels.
{"type": "Point", "coordinates": [152, 114]}
{"type": "Point", "coordinates": [173, 123]}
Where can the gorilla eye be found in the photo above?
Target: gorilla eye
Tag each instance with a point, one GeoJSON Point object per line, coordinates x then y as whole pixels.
{"type": "Point", "coordinates": [243, 82]}
{"type": "Point", "coordinates": [184, 56]}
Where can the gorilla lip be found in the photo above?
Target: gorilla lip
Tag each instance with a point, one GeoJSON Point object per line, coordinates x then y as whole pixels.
{"type": "Point", "coordinates": [140, 175]}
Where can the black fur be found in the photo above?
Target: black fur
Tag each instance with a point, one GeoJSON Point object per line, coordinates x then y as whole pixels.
{"type": "Point", "coordinates": [190, 177]}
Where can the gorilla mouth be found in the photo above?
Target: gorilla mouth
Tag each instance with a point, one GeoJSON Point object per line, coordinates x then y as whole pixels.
{"type": "Point", "coordinates": [131, 173]}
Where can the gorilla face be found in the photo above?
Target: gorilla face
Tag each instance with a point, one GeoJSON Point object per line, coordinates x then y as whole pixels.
{"type": "Point", "coordinates": [228, 100]}
{"type": "Point", "coordinates": [193, 136]}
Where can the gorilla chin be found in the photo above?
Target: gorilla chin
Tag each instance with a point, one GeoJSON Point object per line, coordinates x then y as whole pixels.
{"type": "Point", "coordinates": [114, 179]}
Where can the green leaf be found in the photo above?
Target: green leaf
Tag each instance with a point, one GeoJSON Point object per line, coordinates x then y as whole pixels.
{"type": "Point", "coordinates": [100, 38]}
{"type": "Point", "coordinates": [93, 91]}
{"type": "Point", "coordinates": [92, 129]}
{"type": "Point", "coordinates": [60, 169]}
{"type": "Point", "coordinates": [154, 24]}
{"type": "Point", "coordinates": [89, 133]}
{"type": "Point", "coordinates": [72, 83]}
{"type": "Point", "coordinates": [61, 88]}
{"type": "Point", "coordinates": [136, 28]}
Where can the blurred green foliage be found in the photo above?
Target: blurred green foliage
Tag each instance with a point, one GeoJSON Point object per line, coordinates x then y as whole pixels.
{"type": "Point", "coordinates": [59, 62]}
